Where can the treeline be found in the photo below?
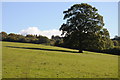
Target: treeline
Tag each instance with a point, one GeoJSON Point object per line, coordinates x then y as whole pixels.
{"type": "Point", "coordinates": [113, 45]}
{"type": "Point", "coordinates": [36, 39]}
{"type": "Point", "coordinates": [64, 42]}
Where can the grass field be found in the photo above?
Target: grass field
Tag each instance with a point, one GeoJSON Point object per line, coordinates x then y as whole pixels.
{"type": "Point", "coordinates": [23, 60]}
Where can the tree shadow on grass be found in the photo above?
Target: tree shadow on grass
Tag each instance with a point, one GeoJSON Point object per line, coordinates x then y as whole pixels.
{"type": "Point", "coordinates": [43, 49]}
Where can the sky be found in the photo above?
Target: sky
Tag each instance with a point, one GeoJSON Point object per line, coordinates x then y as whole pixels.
{"type": "Point", "coordinates": [45, 18]}
{"type": "Point", "coordinates": [119, 18]}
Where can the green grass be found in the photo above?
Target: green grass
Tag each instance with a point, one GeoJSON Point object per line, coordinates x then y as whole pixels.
{"type": "Point", "coordinates": [23, 60]}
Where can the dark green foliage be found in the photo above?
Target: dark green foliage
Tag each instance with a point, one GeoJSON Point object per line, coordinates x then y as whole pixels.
{"type": "Point", "coordinates": [114, 51]}
{"type": "Point", "coordinates": [31, 38]}
{"type": "Point", "coordinates": [58, 41]}
{"type": "Point", "coordinates": [42, 39]}
{"type": "Point", "coordinates": [56, 37]}
{"type": "Point", "coordinates": [52, 42]}
{"type": "Point", "coordinates": [25, 39]}
{"type": "Point", "coordinates": [84, 28]}
{"type": "Point", "coordinates": [12, 37]}
{"type": "Point", "coordinates": [116, 41]}
{"type": "Point", "coordinates": [3, 36]}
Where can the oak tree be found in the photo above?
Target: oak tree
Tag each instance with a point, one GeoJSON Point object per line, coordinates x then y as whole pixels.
{"type": "Point", "coordinates": [84, 26]}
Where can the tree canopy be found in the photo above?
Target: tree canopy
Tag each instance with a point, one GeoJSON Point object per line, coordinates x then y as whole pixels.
{"type": "Point", "coordinates": [84, 28]}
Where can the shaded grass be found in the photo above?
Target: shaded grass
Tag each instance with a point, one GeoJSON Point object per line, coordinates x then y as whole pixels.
{"type": "Point", "coordinates": [43, 49]}
{"type": "Point", "coordinates": [23, 60]}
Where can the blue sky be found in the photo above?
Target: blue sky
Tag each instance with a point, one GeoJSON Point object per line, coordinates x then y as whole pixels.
{"type": "Point", "coordinates": [46, 17]}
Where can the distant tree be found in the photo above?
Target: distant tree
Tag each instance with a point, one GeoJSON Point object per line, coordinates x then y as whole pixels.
{"type": "Point", "coordinates": [0, 37]}
{"type": "Point", "coordinates": [116, 40]}
{"type": "Point", "coordinates": [116, 43]}
{"type": "Point", "coordinates": [42, 39]}
{"type": "Point", "coordinates": [30, 36]}
{"type": "Point", "coordinates": [58, 41]}
{"type": "Point", "coordinates": [52, 42]}
{"type": "Point", "coordinates": [117, 37]}
{"type": "Point", "coordinates": [84, 27]}
{"type": "Point", "coordinates": [25, 39]}
{"type": "Point", "coordinates": [21, 38]}
{"type": "Point", "coordinates": [12, 37]}
{"type": "Point", "coordinates": [3, 35]}
{"type": "Point", "coordinates": [56, 37]}
{"type": "Point", "coordinates": [52, 37]}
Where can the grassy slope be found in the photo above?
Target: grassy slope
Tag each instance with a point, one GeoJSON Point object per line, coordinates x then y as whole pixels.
{"type": "Point", "coordinates": [54, 62]}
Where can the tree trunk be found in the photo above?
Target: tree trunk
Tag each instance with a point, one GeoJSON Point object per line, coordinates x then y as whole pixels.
{"type": "Point", "coordinates": [80, 45]}
{"type": "Point", "coordinates": [80, 51]}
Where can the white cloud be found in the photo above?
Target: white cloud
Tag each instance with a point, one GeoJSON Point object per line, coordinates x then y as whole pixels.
{"type": "Point", "coordinates": [36, 31]}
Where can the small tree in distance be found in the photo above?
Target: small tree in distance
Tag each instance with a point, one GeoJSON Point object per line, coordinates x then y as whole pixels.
{"type": "Point", "coordinates": [84, 26]}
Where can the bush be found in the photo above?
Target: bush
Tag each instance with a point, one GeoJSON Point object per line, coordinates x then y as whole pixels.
{"type": "Point", "coordinates": [115, 50]}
